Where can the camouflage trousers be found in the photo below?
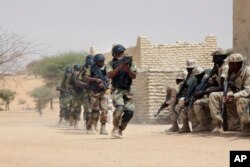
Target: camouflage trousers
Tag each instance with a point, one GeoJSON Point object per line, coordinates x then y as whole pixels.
{"type": "Point", "coordinates": [75, 103]}
{"type": "Point", "coordinates": [237, 111]}
{"type": "Point", "coordinates": [86, 105]}
{"type": "Point", "coordinates": [64, 107]}
{"type": "Point", "coordinates": [123, 101]}
{"type": "Point", "coordinates": [99, 106]}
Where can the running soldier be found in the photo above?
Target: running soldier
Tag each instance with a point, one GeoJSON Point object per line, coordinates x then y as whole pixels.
{"type": "Point", "coordinates": [64, 96]}
{"type": "Point", "coordinates": [96, 76]}
{"type": "Point", "coordinates": [122, 70]}
{"type": "Point", "coordinates": [89, 61]}
{"type": "Point", "coordinates": [76, 97]}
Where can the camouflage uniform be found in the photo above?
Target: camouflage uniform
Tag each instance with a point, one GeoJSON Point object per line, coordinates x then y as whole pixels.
{"type": "Point", "coordinates": [86, 101]}
{"type": "Point", "coordinates": [64, 100]}
{"type": "Point", "coordinates": [99, 101]}
{"type": "Point", "coordinates": [123, 101]}
{"type": "Point", "coordinates": [240, 105]}
{"type": "Point", "coordinates": [76, 101]}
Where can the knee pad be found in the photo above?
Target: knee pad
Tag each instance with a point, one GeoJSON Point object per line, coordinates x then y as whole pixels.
{"type": "Point", "coordinates": [127, 116]}
{"type": "Point", "coordinates": [95, 113]}
{"type": "Point", "coordinates": [119, 108]}
{"type": "Point", "coordinates": [88, 116]}
{"type": "Point", "coordinates": [118, 111]}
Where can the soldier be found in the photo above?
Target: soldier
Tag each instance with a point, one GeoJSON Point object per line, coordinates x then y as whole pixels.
{"type": "Point", "coordinates": [98, 83]}
{"type": "Point", "coordinates": [64, 96]}
{"type": "Point", "coordinates": [182, 93]}
{"type": "Point", "coordinates": [171, 101]}
{"type": "Point", "coordinates": [199, 114]}
{"type": "Point", "coordinates": [122, 70]}
{"type": "Point", "coordinates": [237, 100]}
{"type": "Point", "coordinates": [76, 97]}
{"type": "Point", "coordinates": [216, 78]}
{"type": "Point", "coordinates": [89, 61]}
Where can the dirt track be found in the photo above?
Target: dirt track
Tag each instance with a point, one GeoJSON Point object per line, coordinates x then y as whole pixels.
{"type": "Point", "coordinates": [29, 140]}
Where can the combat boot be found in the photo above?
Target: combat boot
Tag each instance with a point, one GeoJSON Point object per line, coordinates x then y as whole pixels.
{"type": "Point", "coordinates": [174, 128]}
{"type": "Point", "coordinates": [103, 129]}
{"type": "Point", "coordinates": [71, 121]}
{"type": "Point", "coordinates": [201, 128]}
{"type": "Point", "coordinates": [115, 132]}
{"type": "Point", "coordinates": [218, 128]}
{"type": "Point", "coordinates": [60, 121]}
{"type": "Point", "coordinates": [185, 127]}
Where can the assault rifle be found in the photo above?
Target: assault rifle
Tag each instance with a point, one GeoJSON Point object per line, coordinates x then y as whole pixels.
{"type": "Point", "coordinates": [124, 60]}
{"type": "Point", "coordinates": [179, 93]}
{"type": "Point", "coordinates": [223, 106]}
{"type": "Point", "coordinates": [195, 89]}
{"type": "Point", "coordinates": [99, 74]}
{"type": "Point", "coordinates": [199, 88]}
{"type": "Point", "coordinates": [164, 105]}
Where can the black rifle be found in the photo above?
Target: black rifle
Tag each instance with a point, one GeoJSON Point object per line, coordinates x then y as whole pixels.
{"type": "Point", "coordinates": [195, 89]}
{"type": "Point", "coordinates": [223, 106]}
{"type": "Point", "coordinates": [164, 105]}
{"type": "Point", "coordinates": [199, 88]}
{"type": "Point", "coordinates": [98, 74]}
{"type": "Point", "coordinates": [124, 60]}
{"type": "Point", "coordinates": [179, 94]}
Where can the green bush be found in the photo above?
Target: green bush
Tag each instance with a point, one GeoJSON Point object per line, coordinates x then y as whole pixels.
{"type": "Point", "coordinates": [52, 68]}
{"type": "Point", "coordinates": [42, 96]}
{"type": "Point", "coordinates": [7, 96]}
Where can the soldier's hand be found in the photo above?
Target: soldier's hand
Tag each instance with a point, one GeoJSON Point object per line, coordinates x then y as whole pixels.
{"type": "Point", "coordinates": [120, 67]}
{"type": "Point", "coordinates": [210, 81]}
{"type": "Point", "coordinates": [125, 68]}
{"type": "Point", "coordinates": [186, 102]}
{"type": "Point", "coordinates": [99, 81]}
{"type": "Point", "coordinates": [229, 98]}
{"type": "Point", "coordinates": [199, 95]}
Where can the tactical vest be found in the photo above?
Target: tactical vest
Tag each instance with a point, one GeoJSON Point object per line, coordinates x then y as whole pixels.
{"type": "Point", "coordinates": [72, 82]}
{"type": "Point", "coordinates": [122, 80]}
{"type": "Point", "coordinates": [93, 74]}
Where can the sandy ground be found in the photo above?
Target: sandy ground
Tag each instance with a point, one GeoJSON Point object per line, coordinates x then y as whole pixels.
{"type": "Point", "coordinates": [29, 140]}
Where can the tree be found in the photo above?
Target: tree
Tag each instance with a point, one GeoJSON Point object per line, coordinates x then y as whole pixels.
{"type": "Point", "coordinates": [51, 69]}
{"type": "Point", "coordinates": [41, 95]}
{"type": "Point", "coordinates": [12, 50]}
{"type": "Point", "coordinates": [7, 96]}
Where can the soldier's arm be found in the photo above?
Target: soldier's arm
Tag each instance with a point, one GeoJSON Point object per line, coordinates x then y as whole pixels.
{"type": "Point", "coordinates": [131, 70]}
{"type": "Point", "coordinates": [246, 91]}
{"type": "Point", "coordinates": [132, 74]}
{"type": "Point", "coordinates": [111, 73]}
{"type": "Point", "coordinates": [88, 78]}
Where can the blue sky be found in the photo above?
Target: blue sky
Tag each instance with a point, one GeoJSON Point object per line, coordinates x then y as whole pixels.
{"type": "Point", "coordinates": [78, 24]}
